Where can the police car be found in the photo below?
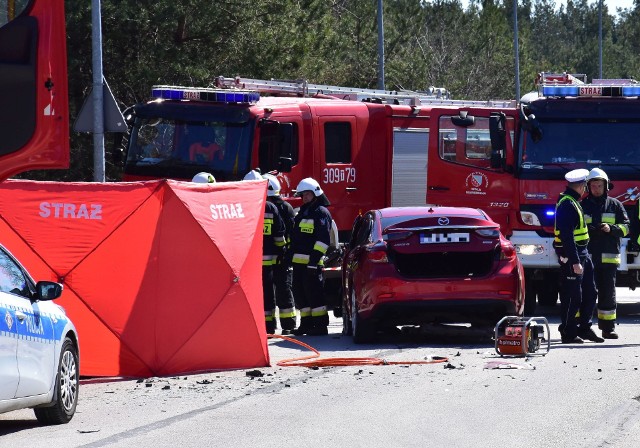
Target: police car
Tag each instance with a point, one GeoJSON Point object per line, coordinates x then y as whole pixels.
{"type": "Point", "coordinates": [39, 363]}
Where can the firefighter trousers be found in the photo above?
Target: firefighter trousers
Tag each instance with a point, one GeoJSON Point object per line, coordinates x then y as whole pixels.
{"type": "Point", "coordinates": [269, 297]}
{"type": "Point", "coordinates": [308, 287]}
{"type": "Point", "coordinates": [283, 281]}
{"type": "Point", "coordinates": [605, 274]}
{"type": "Point", "coordinates": [577, 298]}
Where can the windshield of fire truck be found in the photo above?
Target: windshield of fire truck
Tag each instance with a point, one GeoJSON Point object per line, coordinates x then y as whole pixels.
{"type": "Point", "coordinates": [580, 142]}
{"type": "Point", "coordinates": [167, 148]}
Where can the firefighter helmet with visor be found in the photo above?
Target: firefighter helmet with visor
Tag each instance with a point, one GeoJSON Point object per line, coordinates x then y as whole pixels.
{"type": "Point", "coordinates": [273, 189]}
{"type": "Point", "coordinates": [204, 178]}
{"type": "Point", "coordinates": [309, 184]}
{"type": "Point", "coordinates": [598, 174]}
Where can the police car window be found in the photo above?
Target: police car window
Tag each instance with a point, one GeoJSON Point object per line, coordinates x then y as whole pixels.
{"type": "Point", "coordinates": [12, 278]}
{"type": "Point", "coordinates": [337, 140]}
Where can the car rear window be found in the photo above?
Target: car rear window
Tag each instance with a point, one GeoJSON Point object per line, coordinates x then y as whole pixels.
{"type": "Point", "coordinates": [411, 221]}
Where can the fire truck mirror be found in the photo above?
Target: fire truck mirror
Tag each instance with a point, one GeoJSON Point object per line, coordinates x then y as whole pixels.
{"type": "Point", "coordinates": [498, 134]}
{"type": "Point", "coordinates": [463, 120]}
{"type": "Point", "coordinates": [285, 164]}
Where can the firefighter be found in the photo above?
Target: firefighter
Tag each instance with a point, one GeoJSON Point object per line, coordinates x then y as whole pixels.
{"type": "Point", "coordinates": [272, 248]}
{"type": "Point", "coordinates": [607, 222]}
{"type": "Point", "coordinates": [204, 178]}
{"type": "Point", "coordinates": [282, 270]}
{"type": "Point", "coordinates": [310, 240]}
{"type": "Point", "coordinates": [571, 237]}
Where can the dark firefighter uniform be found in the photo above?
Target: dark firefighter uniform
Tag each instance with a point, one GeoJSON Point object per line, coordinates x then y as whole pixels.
{"type": "Point", "coordinates": [578, 291]}
{"type": "Point", "coordinates": [310, 240]}
{"type": "Point", "coordinates": [605, 251]}
{"type": "Point", "coordinates": [273, 243]}
{"type": "Point", "coordinates": [282, 273]}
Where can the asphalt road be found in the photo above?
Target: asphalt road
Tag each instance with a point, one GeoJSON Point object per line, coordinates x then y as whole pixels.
{"type": "Point", "coordinates": [575, 396]}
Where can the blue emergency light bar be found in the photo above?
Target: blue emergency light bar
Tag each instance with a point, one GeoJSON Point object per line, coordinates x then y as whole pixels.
{"type": "Point", "coordinates": [591, 90]}
{"type": "Point", "coordinates": [550, 213]}
{"type": "Point", "coordinates": [205, 94]}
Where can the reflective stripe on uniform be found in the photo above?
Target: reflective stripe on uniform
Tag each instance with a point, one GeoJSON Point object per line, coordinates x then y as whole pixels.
{"type": "Point", "coordinates": [588, 219]}
{"type": "Point", "coordinates": [321, 247]}
{"type": "Point", "coordinates": [300, 259]}
{"type": "Point", "coordinates": [320, 311]}
{"type": "Point", "coordinates": [607, 315]}
{"type": "Point", "coordinates": [279, 241]}
{"type": "Point", "coordinates": [611, 258]}
{"type": "Point", "coordinates": [305, 312]}
{"type": "Point", "coordinates": [609, 218]}
{"type": "Point", "coordinates": [306, 225]}
{"type": "Point", "coordinates": [581, 233]}
{"type": "Point", "coordinates": [269, 260]}
{"type": "Point", "coordinates": [268, 315]}
{"type": "Point", "coordinates": [624, 228]}
{"type": "Point", "coordinates": [287, 313]}
{"type": "Point", "coordinates": [268, 223]}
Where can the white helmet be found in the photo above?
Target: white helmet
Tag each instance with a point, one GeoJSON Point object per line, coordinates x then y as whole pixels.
{"type": "Point", "coordinates": [252, 175]}
{"type": "Point", "coordinates": [309, 184]}
{"type": "Point", "coordinates": [204, 178]}
{"type": "Point", "coordinates": [273, 189]}
{"type": "Point", "coordinates": [598, 173]}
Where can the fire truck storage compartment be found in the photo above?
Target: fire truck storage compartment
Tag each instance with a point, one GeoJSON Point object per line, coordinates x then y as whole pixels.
{"type": "Point", "coordinates": [409, 178]}
{"type": "Point", "coordinates": [444, 264]}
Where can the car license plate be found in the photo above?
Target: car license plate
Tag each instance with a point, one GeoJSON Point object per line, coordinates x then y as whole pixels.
{"type": "Point", "coordinates": [435, 238]}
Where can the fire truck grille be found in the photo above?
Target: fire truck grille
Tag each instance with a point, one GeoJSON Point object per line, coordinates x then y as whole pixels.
{"type": "Point", "coordinates": [444, 264]}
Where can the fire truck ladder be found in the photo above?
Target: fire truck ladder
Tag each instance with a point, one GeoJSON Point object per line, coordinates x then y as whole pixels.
{"type": "Point", "coordinates": [301, 88]}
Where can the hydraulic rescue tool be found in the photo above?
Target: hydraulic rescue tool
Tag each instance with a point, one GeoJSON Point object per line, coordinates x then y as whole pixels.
{"type": "Point", "coordinates": [522, 336]}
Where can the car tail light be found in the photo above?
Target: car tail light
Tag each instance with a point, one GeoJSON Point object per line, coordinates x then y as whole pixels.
{"type": "Point", "coordinates": [508, 251]}
{"type": "Point", "coordinates": [396, 236]}
{"type": "Point", "coordinates": [489, 233]}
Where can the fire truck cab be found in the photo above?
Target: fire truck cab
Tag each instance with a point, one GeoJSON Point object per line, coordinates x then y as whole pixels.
{"type": "Point", "coordinates": [34, 118]}
{"type": "Point", "coordinates": [566, 124]}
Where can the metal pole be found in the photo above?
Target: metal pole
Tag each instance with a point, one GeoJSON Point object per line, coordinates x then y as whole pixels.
{"type": "Point", "coordinates": [98, 100]}
{"type": "Point", "coordinates": [381, 82]}
{"type": "Point", "coordinates": [600, 35]}
{"type": "Point", "coordinates": [515, 45]}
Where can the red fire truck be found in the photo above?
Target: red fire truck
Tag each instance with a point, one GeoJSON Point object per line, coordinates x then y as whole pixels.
{"type": "Point", "coordinates": [34, 117]}
{"type": "Point", "coordinates": [566, 124]}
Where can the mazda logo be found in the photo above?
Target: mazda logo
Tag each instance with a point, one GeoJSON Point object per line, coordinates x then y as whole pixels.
{"type": "Point", "coordinates": [443, 221]}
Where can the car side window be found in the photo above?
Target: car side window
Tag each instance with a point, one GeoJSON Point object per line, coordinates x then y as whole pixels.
{"type": "Point", "coordinates": [364, 233]}
{"type": "Point", "coordinates": [12, 279]}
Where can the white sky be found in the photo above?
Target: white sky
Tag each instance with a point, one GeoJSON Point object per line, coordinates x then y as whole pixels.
{"type": "Point", "coordinates": [611, 4]}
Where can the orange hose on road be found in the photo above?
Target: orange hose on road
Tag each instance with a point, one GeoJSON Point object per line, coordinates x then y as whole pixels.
{"type": "Point", "coordinates": [315, 360]}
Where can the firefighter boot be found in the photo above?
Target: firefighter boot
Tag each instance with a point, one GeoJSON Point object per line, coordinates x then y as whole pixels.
{"type": "Point", "coordinates": [320, 324]}
{"type": "Point", "coordinates": [305, 326]}
{"type": "Point", "coordinates": [271, 326]}
{"type": "Point", "coordinates": [287, 320]}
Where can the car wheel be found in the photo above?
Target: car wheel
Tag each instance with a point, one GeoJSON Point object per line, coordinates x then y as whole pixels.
{"type": "Point", "coordinates": [347, 329]}
{"type": "Point", "coordinates": [363, 330]}
{"type": "Point", "coordinates": [66, 388]}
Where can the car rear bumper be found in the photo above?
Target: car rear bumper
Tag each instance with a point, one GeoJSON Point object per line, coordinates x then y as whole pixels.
{"type": "Point", "coordinates": [457, 300]}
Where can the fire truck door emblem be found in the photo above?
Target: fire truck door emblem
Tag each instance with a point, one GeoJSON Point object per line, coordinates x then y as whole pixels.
{"type": "Point", "coordinates": [9, 320]}
{"type": "Point", "coordinates": [477, 183]}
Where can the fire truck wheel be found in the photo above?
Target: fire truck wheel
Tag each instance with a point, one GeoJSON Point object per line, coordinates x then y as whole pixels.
{"type": "Point", "coordinates": [363, 329]}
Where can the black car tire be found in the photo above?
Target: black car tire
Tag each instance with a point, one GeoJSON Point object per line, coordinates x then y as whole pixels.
{"type": "Point", "coordinates": [363, 329]}
{"type": "Point", "coordinates": [67, 383]}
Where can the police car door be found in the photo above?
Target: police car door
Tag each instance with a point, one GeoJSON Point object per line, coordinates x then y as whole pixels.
{"type": "Point", "coordinates": [34, 330]}
{"type": "Point", "coordinates": [8, 344]}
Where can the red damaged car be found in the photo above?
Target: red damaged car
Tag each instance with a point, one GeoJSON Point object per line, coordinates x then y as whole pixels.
{"type": "Point", "coordinates": [419, 265]}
